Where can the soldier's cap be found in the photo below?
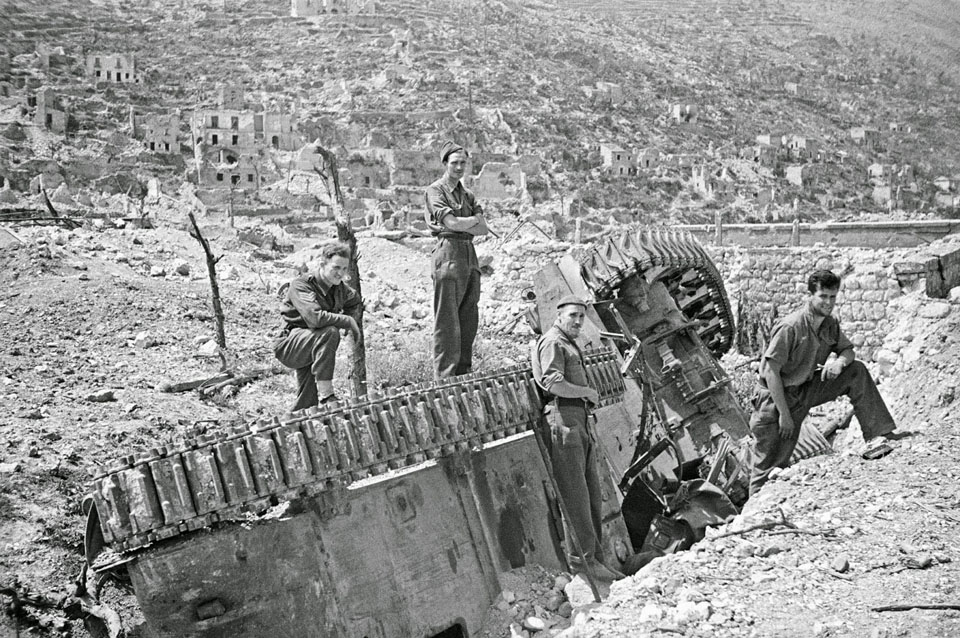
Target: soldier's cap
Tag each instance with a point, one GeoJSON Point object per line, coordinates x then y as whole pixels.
{"type": "Point", "coordinates": [571, 300]}
{"type": "Point", "coordinates": [449, 148]}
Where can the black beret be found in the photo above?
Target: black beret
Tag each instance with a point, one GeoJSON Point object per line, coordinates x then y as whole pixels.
{"type": "Point", "coordinates": [448, 149]}
{"type": "Point", "coordinates": [571, 300]}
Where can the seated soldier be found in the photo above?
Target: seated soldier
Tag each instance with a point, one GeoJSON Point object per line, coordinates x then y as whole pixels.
{"type": "Point", "coordinates": [796, 375]}
{"type": "Point", "coordinates": [317, 307]}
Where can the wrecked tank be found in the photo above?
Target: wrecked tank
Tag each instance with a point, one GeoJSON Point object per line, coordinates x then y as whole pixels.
{"type": "Point", "coordinates": [394, 514]}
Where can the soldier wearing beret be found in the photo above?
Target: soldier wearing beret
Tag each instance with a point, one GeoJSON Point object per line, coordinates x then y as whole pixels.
{"type": "Point", "coordinates": [454, 218]}
{"type": "Point", "coordinates": [559, 371]}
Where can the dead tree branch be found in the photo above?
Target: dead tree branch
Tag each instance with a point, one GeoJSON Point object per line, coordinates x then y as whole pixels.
{"type": "Point", "coordinates": [214, 288]}
{"type": "Point", "coordinates": [783, 522]}
{"type": "Point", "coordinates": [330, 175]}
{"type": "Point", "coordinates": [908, 606]}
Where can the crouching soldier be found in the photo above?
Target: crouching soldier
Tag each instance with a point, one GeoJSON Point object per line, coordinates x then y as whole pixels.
{"type": "Point", "coordinates": [317, 307]}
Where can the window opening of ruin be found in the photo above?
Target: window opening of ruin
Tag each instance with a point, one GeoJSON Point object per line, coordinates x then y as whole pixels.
{"type": "Point", "coordinates": [234, 179]}
{"type": "Point", "coordinates": [214, 121]}
{"type": "Point", "coordinates": [235, 139]}
{"type": "Point", "coordinates": [454, 631]}
{"type": "Point", "coordinates": [214, 139]}
{"type": "Point", "coordinates": [275, 141]}
{"type": "Point", "coordinates": [219, 177]}
{"type": "Point", "coordinates": [234, 122]}
{"type": "Point", "coordinates": [250, 177]}
{"type": "Point", "coordinates": [96, 62]}
{"type": "Point", "coordinates": [98, 73]}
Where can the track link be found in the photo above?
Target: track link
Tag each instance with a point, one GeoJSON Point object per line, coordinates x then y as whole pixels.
{"type": "Point", "coordinates": [142, 500]}
{"type": "Point", "coordinates": [677, 260]}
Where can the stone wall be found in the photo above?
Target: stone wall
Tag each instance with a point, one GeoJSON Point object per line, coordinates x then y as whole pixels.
{"type": "Point", "coordinates": [769, 278]}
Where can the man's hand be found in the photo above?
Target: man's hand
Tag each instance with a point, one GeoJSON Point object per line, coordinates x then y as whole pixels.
{"type": "Point", "coordinates": [592, 396]}
{"type": "Point", "coordinates": [353, 328]}
{"type": "Point", "coordinates": [832, 369]}
{"type": "Point", "coordinates": [787, 426]}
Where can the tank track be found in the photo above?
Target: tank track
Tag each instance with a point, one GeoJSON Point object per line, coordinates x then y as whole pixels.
{"type": "Point", "coordinates": [679, 261]}
{"type": "Point", "coordinates": [218, 477]}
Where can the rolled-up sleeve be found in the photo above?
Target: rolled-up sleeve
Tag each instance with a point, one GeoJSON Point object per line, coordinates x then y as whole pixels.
{"type": "Point", "coordinates": [437, 205]}
{"type": "Point", "coordinates": [552, 363]}
{"type": "Point", "coordinates": [474, 205]}
{"type": "Point", "coordinates": [780, 345]}
{"type": "Point", "coordinates": [304, 299]}
{"type": "Point", "coordinates": [842, 342]}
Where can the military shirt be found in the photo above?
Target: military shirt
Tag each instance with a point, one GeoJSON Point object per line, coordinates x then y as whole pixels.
{"type": "Point", "coordinates": [443, 200]}
{"type": "Point", "coordinates": [799, 347]}
{"type": "Point", "coordinates": [560, 359]}
{"type": "Point", "coordinates": [312, 303]}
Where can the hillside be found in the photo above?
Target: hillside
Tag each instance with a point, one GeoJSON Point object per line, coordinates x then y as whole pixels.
{"type": "Point", "coordinates": [543, 92]}
{"type": "Point", "coordinates": [516, 79]}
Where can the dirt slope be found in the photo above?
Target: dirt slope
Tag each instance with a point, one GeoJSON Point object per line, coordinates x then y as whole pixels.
{"type": "Point", "coordinates": [868, 533]}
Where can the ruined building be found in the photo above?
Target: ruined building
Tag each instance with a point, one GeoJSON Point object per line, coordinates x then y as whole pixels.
{"type": "Point", "coordinates": [223, 170]}
{"type": "Point", "coordinates": [619, 160]}
{"type": "Point", "coordinates": [115, 68]}
{"type": "Point", "coordinates": [160, 133]}
{"type": "Point", "coordinates": [306, 8]}
{"type": "Point", "coordinates": [230, 97]}
{"type": "Point", "coordinates": [238, 129]}
{"type": "Point", "coordinates": [50, 113]}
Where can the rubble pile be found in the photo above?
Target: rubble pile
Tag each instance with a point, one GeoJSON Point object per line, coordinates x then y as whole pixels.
{"type": "Point", "coordinates": [533, 603]}
{"type": "Point", "coordinates": [831, 539]}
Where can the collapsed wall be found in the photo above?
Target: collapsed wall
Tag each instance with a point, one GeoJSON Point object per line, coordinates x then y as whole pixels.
{"type": "Point", "coordinates": [774, 280]}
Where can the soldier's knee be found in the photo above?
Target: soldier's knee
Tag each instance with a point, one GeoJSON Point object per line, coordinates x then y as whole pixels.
{"type": "Point", "coordinates": [858, 367]}
{"type": "Point", "coordinates": [330, 334]}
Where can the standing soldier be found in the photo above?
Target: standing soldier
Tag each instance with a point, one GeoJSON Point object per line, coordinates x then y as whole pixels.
{"type": "Point", "coordinates": [316, 308]}
{"type": "Point", "coordinates": [559, 371]}
{"type": "Point", "coordinates": [454, 218]}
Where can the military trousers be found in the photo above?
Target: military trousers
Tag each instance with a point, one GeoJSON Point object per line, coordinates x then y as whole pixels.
{"type": "Point", "coordinates": [574, 460]}
{"type": "Point", "coordinates": [773, 451]}
{"type": "Point", "coordinates": [312, 353]}
{"type": "Point", "coordinates": [456, 293]}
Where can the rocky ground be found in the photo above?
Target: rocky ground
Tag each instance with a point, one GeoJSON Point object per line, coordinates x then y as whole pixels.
{"type": "Point", "coordinates": [840, 537]}
{"type": "Point", "coordinates": [94, 322]}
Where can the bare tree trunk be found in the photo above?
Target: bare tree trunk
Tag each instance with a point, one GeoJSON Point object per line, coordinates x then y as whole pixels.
{"type": "Point", "coordinates": [329, 172]}
{"type": "Point", "coordinates": [214, 288]}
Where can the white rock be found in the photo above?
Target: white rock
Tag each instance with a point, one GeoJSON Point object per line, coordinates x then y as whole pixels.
{"type": "Point", "coordinates": [209, 349]}
{"type": "Point", "coordinates": [157, 271]}
{"type": "Point", "coordinates": [651, 613]}
{"type": "Point", "coordinates": [690, 612]}
{"type": "Point", "coordinates": [650, 584]}
{"type": "Point", "coordinates": [532, 623]}
{"type": "Point", "coordinates": [762, 577]}
{"type": "Point", "coordinates": [936, 310]}
{"type": "Point", "coordinates": [144, 340]}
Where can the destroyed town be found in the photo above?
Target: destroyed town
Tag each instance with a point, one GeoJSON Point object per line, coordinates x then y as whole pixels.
{"type": "Point", "coordinates": [479, 319]}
